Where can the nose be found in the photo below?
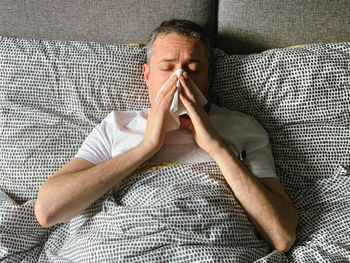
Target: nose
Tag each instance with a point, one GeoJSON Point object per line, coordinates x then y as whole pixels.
{"type": "Point", "coordinates": [179, 73]}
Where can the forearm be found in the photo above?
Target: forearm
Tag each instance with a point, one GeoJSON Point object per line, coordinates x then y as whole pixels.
{"type": "Point", "coordinates": [63, 196]}
{"type": "Point", "coordinates": [273, 216]}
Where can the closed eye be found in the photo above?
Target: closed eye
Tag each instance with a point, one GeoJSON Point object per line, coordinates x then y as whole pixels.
{"type": "Point", "coordinates": [193, 67]}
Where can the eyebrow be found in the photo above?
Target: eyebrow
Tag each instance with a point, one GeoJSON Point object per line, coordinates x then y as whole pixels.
{"type": "Point", "coordinates": [173, 59]}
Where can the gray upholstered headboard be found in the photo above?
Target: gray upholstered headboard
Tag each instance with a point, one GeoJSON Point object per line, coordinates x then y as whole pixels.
{"type": "Point", "coordinates": [106, 21]}
{"type": "Point", "coordinates": [236, 26]}
{"type": "Point", "coordinates": [246, 26]}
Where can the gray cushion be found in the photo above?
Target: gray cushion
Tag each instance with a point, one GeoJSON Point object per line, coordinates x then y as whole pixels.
{"type": "Point", "coordinates": [246, 26]}
{"type": "Point", "coordinates": [106, 21]}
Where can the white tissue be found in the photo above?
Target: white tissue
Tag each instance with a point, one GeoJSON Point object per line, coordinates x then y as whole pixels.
{"type": "Point", "coordinates": [177, 108]}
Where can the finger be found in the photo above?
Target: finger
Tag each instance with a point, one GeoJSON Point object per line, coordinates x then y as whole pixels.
{"type": "Point", "coordinates": [188, 90]}
{"type": "Point", "coordinates": [168, 97]}
{"type": "Point", "coordinates": [170, 83]}
{"type": "Point", "coordinates": [162, 105]}
{"type": "Point", "coordinates": [190, 107]}
{"type": "Point", "coordinates": [185, 75]}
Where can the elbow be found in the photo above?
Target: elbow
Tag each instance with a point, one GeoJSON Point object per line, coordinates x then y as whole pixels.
{"type": "Point", "coordinates": [287, 239]}
{"type": "Point", "coordinates": [287, 235]}
{"type": "Point", "coordinates": [285, 244]}
{"type": "Point", "coordinates": [42, 215]}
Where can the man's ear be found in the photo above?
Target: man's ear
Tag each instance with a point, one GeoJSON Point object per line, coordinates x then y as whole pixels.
{"type": "Point", "coordinates": [145, 70]}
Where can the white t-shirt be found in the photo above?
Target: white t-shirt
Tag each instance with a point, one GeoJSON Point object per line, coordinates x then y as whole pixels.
{"type": "Point", "coordinates": [121, 131]}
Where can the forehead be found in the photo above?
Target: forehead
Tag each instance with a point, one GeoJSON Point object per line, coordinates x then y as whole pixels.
{"type": "Point", "coordinates": [177, 46]}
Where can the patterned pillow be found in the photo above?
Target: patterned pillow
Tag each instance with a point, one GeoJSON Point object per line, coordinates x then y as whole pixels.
{"type": "Point", "coordinates": [289, 85]}
{"type": "Point", "coordinates": [52, 95]}
{"type": "Point", "coordinates": [302, 98]}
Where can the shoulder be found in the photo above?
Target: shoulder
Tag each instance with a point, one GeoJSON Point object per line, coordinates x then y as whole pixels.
{"type": "Point", "coordinates": [123, 118]}
{"type": "Point", "coordinates": [216, 110]}
{"type": "Point", "coordinates": [245, 133]}
{"type": "Point", "coordinates": [225, 118]}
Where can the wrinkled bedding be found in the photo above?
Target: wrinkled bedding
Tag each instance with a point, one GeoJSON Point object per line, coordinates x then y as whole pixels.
{"type": "Point", "coordinates": [52, 94]}
{"type": "Point", "coordinates": [184, 213]}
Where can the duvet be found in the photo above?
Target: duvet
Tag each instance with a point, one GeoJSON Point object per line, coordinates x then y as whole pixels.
{"type": "Point", "coordinates": [181, 213]}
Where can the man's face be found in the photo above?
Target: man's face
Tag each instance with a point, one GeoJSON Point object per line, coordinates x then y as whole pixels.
{"type": "Point", "coordinates": [172, 52]}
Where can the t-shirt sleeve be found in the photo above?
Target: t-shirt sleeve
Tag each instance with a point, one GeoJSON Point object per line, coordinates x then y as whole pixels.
{"type": "Point", "coordinates": [96, 148]}
{"type": "Point", "coordinates": [259, 158]}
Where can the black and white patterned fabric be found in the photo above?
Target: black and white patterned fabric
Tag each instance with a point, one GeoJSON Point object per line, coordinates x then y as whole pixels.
{"type": "Point", "coordinates": [302, 98]}
{"type": "Point", "coordinates": [184, 213]}
{"type": "Point", "coordinates": [52, 93]}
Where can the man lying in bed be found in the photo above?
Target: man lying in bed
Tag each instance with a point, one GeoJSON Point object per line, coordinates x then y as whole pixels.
{"type": "Point", "coordinates": [125, 140]}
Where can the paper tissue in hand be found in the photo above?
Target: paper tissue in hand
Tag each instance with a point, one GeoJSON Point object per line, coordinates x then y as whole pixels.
{"type": "Point", "coordinates": [177, 108]}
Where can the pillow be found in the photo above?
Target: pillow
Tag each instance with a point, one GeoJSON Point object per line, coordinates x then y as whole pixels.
{"type": "Point", "coordinates": [287, 85]}
{"type": "Point", "coordinates": [302, 98]}
{"type": "Point", "coordinates": [52, 95]}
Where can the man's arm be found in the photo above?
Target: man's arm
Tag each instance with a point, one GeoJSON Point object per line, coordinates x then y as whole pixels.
{"type": "Point", "coordinates": [265, 201]}
{"type": "Point", "coordinates": [80, 183]}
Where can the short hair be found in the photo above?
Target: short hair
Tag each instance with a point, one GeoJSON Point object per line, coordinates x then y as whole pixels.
{"type": "Point", "coordinates": [181, 27]}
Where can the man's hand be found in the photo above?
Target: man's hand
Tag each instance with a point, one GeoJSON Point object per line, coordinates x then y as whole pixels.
{"type": "Point", "coordinates": [155, 133]}
{"type": "Point", "coordinates": [203, 130]}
